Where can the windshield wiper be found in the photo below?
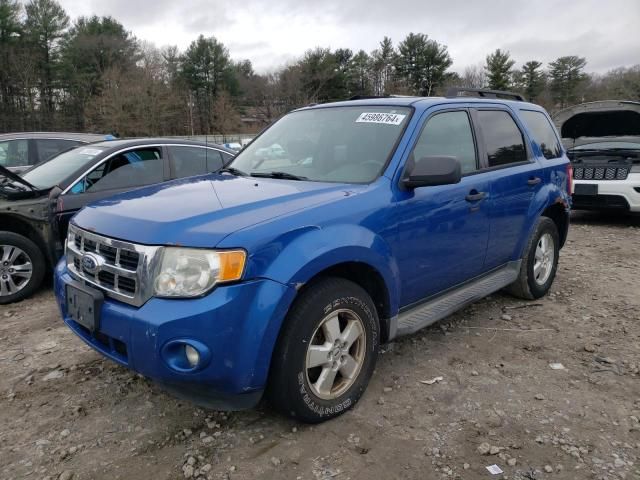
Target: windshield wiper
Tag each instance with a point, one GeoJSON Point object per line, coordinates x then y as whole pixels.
{"type": "Point", "coordinates": [233, 171]}
{"type": "Point", "coordinates": [282, 175]}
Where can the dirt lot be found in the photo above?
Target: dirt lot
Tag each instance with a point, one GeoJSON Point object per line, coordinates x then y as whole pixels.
{"type": "Point", "coordinates": [67, 413]}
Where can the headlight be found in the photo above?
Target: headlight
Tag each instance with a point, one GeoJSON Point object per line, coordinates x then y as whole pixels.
{"type": "Point", "coordinates": [71, 238]}
{"type": "Point", "coordinates": [635, 169]}
{"type": "Point", "coordinates": [190, 272]}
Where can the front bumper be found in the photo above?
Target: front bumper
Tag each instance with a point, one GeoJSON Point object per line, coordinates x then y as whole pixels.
{"type": "Point", "coordinates": [238, 323]}
{"type": "Point", "coordinates": [612, 194]}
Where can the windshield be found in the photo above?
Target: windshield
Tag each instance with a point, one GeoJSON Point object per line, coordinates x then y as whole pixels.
{"type": "Point", "coordinates": [334, 144]}
{"type": "Point", "coordinates": [608, 145]}
{"type": "Point", "coordinates": [56, 170]}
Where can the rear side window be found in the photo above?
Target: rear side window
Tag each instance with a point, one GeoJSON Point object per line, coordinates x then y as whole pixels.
{"type": "Point", "coordinates": [14, 153]}
{"type": "Point", "coordinates": [543, 133]}
{"type": "Point", "coordinates": [50, 147]}
{"type": "Point", "coordinates": [190, 161]}
{"type": "Point", "coordinates": [502, 138]}
{"type": "Point", "coordinates": [448, 134]}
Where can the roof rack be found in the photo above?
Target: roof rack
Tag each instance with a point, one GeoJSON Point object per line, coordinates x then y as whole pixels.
{"type": "Point", "coordinates": [368, 97]}
{"type": "Point", "coordinates": [454, 92]}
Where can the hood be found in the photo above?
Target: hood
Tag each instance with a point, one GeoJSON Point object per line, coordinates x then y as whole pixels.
{"type": "Point", "coordinates": [606, 120]}
{"type": "Point", "coordinates": [201, 211]}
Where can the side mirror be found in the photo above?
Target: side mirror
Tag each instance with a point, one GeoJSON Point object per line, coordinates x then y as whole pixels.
{"type": "Point", "coordinates": [434, 170]}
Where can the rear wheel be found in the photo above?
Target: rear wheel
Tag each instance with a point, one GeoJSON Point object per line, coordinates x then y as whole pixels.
{"type": "Point", "coordinates": [326, 352]}
{"type": "Point", "coordinates": [539, 263]}
{"type": "Point", "coordinates": [21, 267]}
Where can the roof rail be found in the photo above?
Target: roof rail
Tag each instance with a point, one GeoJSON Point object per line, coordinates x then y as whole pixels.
{"type": "Point", "coordinates": [454, 92]}
{"type": "Point", "coordinates": [367, 97]}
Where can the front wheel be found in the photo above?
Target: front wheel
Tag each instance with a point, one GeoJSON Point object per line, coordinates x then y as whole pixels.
{"type": "Point", "coordinates": [22, 267]}
{"type": "Point", "coordinates": [326, 352]}
{"type": "Point", "coordinates": [539, 262]}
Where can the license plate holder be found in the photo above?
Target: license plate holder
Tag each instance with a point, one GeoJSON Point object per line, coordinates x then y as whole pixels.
{"type": "Point", "coordinates": [84, 305]}
{"type": "Point", "coordinates": [585, 189]}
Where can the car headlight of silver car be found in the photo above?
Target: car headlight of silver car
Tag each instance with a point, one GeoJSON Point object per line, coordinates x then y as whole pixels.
{"type": "Point", "coordinates": [192, 272]}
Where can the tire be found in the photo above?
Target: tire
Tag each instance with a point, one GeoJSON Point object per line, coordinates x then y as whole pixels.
{"type": "Point", "coordinates": [532, 284]}
{"type": "Point", "coordinates": [16, 253]}
{"type": "Point", "coordinates": [298, 391]}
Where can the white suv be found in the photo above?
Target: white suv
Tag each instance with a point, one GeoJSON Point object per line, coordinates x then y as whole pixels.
{"type": "Point", "coordinates": [603, 142]}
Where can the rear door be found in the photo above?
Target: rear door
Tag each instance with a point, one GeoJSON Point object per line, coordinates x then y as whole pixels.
{"type": "Point", "coordinates": [123, 171]}
{"type": "Point", "coordinates": [515, 176]}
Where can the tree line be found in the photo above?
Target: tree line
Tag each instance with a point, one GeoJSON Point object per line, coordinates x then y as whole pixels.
{"type": "Point", "coordinates": [92, 74]}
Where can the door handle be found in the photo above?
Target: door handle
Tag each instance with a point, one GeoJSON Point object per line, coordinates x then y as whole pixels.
{"type": "Point", "coordinates": [534, 181]}
{"type": "Point", "coordinates": [475, 196]}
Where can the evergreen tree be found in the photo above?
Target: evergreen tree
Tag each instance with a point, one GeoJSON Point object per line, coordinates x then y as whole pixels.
{"type": "Point", "coordinates": [566, 74]}
{"type": "Point", "coordinates": [45, 25]}
{"type": "Point", "coordinates": [422, 63]}
{"type": "Point", "coordinates": [499, 69]}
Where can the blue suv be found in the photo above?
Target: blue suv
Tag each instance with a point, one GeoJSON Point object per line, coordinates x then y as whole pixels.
{"type": "Point", "coordinates": [282, 274]}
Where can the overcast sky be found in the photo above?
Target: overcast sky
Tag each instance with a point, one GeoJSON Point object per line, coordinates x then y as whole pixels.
{"type": "Point", "coordinates": [271, 33]}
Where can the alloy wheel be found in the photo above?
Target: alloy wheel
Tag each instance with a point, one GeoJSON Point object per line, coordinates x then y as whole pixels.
{"type": "Point", "coordinates": [335, 354]}
{"type": "Point", "coordinates": [544, 259]}
{"type": "Point", "coordinates": [16, 270]}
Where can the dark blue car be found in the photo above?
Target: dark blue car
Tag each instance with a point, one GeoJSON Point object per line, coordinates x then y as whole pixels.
{"type": "Point", "coordinates": [283, 274]}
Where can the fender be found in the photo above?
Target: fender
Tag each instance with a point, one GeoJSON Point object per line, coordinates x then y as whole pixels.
{"type": "Point", "coordinates": [296, 257]}
{"type": "Point", "coordinates": [317, 249]}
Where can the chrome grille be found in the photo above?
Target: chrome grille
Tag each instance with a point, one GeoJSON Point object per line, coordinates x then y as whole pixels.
{"type": "Point", "coordinates": [121, 269]}
{"type": "Point", "coordinates": [601, 173]}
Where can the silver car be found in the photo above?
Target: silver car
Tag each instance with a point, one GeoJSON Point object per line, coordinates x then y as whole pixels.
{"type": "Point", "coordinates": [21, 150]}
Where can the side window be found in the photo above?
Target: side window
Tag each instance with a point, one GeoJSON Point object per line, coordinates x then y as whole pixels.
{"type": "Point", "coordinates": [14, 153]}
{"type": "Point", "coordinates": [502, 138]}
{"type": "Point", "coordinates": [215, 160]}
{"type": "Point", "coordinates": [50, 147]}
{"type": "Point", "coordinates": [543, 133]}
{"type": "Point", "coordinates": [130, 169]}
{"type": "Point", "coordinates": [190, 161]}
{"type": "Point", "coordinates": [448, 134]}
{"type": "Point", "coordinates": [226, 158]}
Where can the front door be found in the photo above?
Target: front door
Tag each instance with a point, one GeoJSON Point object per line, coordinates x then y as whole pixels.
{"type": "Point", "coordinates": [443, 230]}
{"type": "Point", "coordinates": [123, 171]}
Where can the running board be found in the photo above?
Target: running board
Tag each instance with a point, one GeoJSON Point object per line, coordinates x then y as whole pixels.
{"type": "Point", "coordinates": [431, 311]}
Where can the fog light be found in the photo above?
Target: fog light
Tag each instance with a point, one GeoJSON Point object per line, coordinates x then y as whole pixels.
{"type": "Point", "coordinates": [193, 357]}
{"type": "Point", "coordinates": [185, 355]}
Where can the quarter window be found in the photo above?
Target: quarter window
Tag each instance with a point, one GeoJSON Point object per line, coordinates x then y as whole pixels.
{"type": "Point", "coordinates": [448, 134]}
{"type": "Point", "coordinates": [126, 170]}
{"type": "Point", "coordinates": [543, 133]}
{"type": "Point", "coordinates": [502, 138]}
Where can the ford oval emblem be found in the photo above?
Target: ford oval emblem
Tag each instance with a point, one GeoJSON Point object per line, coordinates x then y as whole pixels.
{"type": "Point", "coordinates": [91, 263]}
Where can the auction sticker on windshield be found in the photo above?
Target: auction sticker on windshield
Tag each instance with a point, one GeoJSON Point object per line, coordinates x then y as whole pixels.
{"type": "Point", "coordinates": [384, 118]}
{"type": "Point", "coordinates": [90, 151]}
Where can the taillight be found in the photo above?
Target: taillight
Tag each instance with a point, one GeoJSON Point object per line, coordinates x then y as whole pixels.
{"type": "Point", "coordinates": [569, 179]}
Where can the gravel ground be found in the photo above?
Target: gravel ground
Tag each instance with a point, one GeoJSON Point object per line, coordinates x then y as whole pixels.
{"type": "Point", "coordinates": [67, 413]}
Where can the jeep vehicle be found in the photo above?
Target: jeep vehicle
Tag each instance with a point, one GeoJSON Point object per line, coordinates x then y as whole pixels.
{"type": "Point", "coordinates": [19, 151]}
{"type": "Point", "coordinates": [283, 275]}
{"type": "Point", "coordinates": [603, 144]}
{"type": "Point", "coordinates": [35, 208]}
